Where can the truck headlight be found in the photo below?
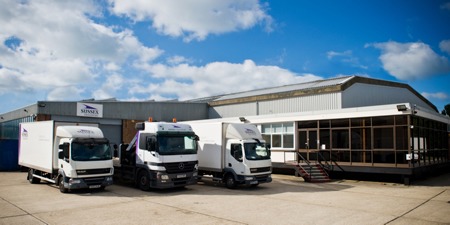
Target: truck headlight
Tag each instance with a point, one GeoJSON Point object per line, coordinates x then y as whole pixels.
{"type": "Point", "coordinates": [109, 179]}
{"type": "Point", "coordinates": [74, 181]}
{"type": "Point", "coordinates": [162, 176]}
{"type": "Point", "coordinates": [249, 178]}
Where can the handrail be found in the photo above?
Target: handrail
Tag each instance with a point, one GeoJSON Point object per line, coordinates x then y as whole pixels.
{"type": "Point", "coordinates": [307, 162]}
{"type": "Point", "coordinates": [330, 167]}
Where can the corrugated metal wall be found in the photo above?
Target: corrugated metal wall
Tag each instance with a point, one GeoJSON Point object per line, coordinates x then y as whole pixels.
{"type": "Point", "coordinates": [287, 105]}
{"type": "Point", "coordinates": [301, 104]}
{"type": "Point", "coordinates": [367, 95]}
{"type": "Point", "coordinates": [244, 109]}
{"type": "Point", "coordinates": [160, 111]}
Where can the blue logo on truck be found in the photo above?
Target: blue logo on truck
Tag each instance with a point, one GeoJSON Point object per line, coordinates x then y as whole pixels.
{"type": "Point", "coordinates": [24, 132]}
{"type": "Point", "coordinates": [250, 131]}
{"type": "Point", "coordinates": [85, 131]}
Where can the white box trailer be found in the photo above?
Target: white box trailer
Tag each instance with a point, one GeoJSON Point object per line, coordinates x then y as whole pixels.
{"type": "Point", "coordinates": [233, 153]}
{"type": "Point", "coordinates": [73, 157]}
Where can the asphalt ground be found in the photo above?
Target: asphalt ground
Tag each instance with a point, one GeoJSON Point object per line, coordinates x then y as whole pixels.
{"type": "Point", "coordinates": [287, 200]}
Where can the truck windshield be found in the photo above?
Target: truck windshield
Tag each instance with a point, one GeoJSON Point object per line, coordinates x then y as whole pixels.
{"type": "Point", "coordinates": [90, 150]}
{"type": "Point", "coordinates": [176, 144]}
{"type": "Point", "coordinates": [255, 151]}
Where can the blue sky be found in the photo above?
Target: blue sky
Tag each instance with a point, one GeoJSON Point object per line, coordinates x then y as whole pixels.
{"type": "Point", "coordinates": [163, 50]}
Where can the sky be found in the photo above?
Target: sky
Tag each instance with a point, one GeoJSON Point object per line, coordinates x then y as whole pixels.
{"type": "Point", "coordinates": [179, 50]}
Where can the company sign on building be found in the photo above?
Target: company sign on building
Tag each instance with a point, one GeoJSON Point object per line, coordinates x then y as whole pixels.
{"type": "Point", "coordinates": [89, 110]}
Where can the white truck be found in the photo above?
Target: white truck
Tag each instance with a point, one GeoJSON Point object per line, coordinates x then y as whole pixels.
{"type": "Point", "coordinates": [161, 155]}
{"type": "Point", "coordinates": [73, 157]}
{"type": "Point", "coordinates": [232, 153]}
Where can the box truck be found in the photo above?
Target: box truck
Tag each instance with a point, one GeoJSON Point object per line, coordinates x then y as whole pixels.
{"type": "Point", "coordinates": [232, 153]}
{"type": "Point", "coordinates": [72, 157]}
{"type": "Point", "coordinates": [161, 155]}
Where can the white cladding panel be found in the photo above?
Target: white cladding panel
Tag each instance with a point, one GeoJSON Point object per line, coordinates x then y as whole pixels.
{"type": "Point", "coordinates": [316, 102]}
{"type": "Point", "coordinates": [359, 95]}
{"type": "Point", "coordinates": [244, 109]}
{"type": "Point", "coordinates": [301, 104]}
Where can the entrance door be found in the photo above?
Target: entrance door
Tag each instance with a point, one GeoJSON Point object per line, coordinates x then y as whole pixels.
{"type": "Point", "coordinates": [308, 144]}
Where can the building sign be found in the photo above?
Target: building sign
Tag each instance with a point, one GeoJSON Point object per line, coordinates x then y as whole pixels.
{"type": "Point", "coordinates": [89, 110]}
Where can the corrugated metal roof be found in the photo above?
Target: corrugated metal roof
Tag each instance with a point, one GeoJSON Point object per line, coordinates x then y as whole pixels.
{"type": "Point", "coordinates": [287, 88]}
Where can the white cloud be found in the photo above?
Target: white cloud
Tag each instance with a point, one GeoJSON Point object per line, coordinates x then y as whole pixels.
{"type": "Point", "coordinates": [189, 82]}
{"type": "Point", "coordinates": [411, 61]}
{"type": "Point", "coordinates": [445, 46]}
{"type": "Point", "coordinates": [195, 19]}
{"type": "Point", "coordinates": [346, 57]}
{"type": "Point", "coordinates": [45, 45]}
{"type": "Point", "coordinates": [332, 54]}
{"type": "Point", "coordinates": [65, 93]}
{"type": "Point", "coordinates": [437, 95]}
{"type": "Point", "coordinates": [108, 89]}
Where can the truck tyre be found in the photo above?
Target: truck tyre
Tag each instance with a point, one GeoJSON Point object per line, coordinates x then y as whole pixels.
{"type": "Point", "coordinates": [62, 189]}
{"type": "Point", "coordinates": [144, 180]}
{"type": "Point", "coordinates": [31, 179]}
{"type": "Point", "coordinates": [230, 182]}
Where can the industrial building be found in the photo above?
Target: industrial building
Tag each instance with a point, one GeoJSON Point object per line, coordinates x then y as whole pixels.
{"type": "Point", "coordinates": [352, 124]}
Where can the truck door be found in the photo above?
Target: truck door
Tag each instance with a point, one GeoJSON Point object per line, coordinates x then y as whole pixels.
{"type": "Point", "coordinates": [235, 157]}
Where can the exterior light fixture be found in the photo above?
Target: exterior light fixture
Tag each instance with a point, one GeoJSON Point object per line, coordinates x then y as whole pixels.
{"type": "Point", "coordinates": [401, 108]}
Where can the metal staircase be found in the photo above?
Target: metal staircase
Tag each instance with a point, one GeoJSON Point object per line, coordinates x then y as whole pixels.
{"type": "Point", "coordinates": [314, 173]}
{"type": "Point", "coordinates": [310, 172]}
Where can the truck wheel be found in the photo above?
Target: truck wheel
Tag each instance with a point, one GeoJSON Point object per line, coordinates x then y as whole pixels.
{"type": "Point", "coordinates": [144, 180]}
{"type": "Point", "coordinates": [31, 179]}
{"type": "Point", "coordinates": [230, 182]}
{"type": "Point", "coordinates": [62, 189]}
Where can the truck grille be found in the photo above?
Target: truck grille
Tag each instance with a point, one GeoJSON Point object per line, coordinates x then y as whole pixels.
{"type": "Point", "coordinates": [260, 169]}
{"type": "Point", "coordinates": [94, 180]}
{"type": "Point", "coordinates": [180, 167]}
{"type": "Point", "coordinates": [93, 171]}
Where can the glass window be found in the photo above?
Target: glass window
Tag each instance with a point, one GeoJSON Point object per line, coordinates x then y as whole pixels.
{"type": "Point", "coordinates": [361, 138]}
{"type": "Point", "coordinates": [236, 151]}
{"type": "Point", "coordinates": [360, 122]}
{"type": "Point", "coordinates": [276, 141]}
{"type": "Point", "coordinates": [325, 138]}
{"type": "Point", "coordinates": [340, 139]}
{"type": "Point", "coordinates": [324, 124]}
{"type": "Point", "coordinates": [279, 135]}
{"type": "Point", "coordinates": [288, 140]}
{"type": "Point", "coordinates": [382, 121]}
{"type": "Point", "coordinates": [307, 124]}
{"type": "Point", "coordinates": [340, 123]}
{"type": "Point", "coordinates": [383, 138]}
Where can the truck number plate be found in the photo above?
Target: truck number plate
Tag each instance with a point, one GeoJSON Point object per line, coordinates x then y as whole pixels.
{"type": "Point", "coordinates": [181, 176]}
{"type": "Point", "coordinates": [95, 186]}
{"type": "Point", "coordinates": [254, 182]}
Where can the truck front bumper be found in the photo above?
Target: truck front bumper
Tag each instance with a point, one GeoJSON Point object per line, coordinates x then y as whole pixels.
{"type": "Point", "coordinates": [255, 180]}
{"type": "Point", "coordinates": [163, 180]}
{"type": "Point", "coordinates": [91, 182]}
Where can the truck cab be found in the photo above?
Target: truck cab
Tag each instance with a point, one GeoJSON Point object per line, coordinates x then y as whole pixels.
{"type": "Point", "coordinates": [161, 155]}
{"type": "Point", "coordinates": [247, 162]}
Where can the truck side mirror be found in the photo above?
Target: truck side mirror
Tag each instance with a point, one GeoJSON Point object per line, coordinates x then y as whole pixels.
{"type": "Point", "coordinates": [196, 138]}
{"type": "Point", "coordinates": [151, 143]}
{"type": "Point", "coordinates": [65, 150]}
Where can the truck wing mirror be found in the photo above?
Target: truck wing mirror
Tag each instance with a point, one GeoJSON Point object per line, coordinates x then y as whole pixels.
{"type": "Point", "coordinates": [65, 150]}
{"type": "Point", "coordinates": [196, 138]}
{"type": "Point", "coordinates": [60, 155]}
{"type": "Point", "coordinates": [151, 143]}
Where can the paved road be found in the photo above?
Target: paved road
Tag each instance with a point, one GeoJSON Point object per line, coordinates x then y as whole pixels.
{"type": "Point", "coordinates": [287, 200]}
